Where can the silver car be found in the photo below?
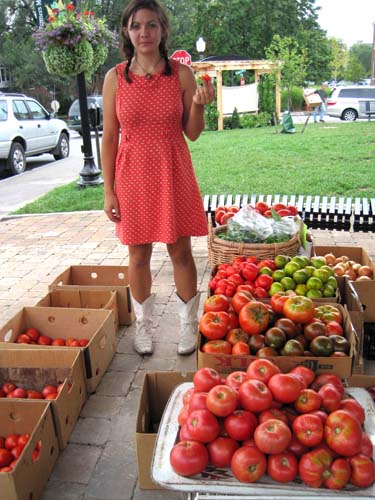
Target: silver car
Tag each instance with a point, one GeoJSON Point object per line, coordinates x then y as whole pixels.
{"type": "Point", "coordinates": [27, 129]}
{"type": "Point", "coordinates": [347, 102]}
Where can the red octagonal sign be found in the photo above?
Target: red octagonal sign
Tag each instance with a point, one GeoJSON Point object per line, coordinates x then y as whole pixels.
{"type": "Point", "coordinates": [182, 56]}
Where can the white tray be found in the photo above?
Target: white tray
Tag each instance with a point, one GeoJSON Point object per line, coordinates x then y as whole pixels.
{"type": "Point", "coordinates": [222, 482]}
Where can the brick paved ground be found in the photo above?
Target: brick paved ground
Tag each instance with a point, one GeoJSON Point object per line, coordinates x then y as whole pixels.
{"type": "Point", "coordinates": [99, 462]}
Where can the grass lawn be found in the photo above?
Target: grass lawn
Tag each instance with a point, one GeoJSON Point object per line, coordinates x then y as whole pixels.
{"type": "Point", "coordinates": [331, 159]}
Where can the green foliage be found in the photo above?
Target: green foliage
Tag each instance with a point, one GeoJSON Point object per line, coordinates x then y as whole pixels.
{"type": "Point", "coordinates": [339, 57]}
{"type": "Point", "coordinates": [259, 161]}
{"type": "Point", "coordinates": [293, 62]}
{"type": "Point", "coordinates": [248, 120]}
{"type": "Point", "coordinates": [355, 70]}
{"type": "Point", "coordinates": [363, 52]}
{"type": "Point", "coordinates": [64, 61]}
{"type": "Point", "coordinates": [292, 98]}
{"type": "Point", "coordinates": [235, 123]}
{"type": "Point", "coordinates": [266, 91]}
{"type": "Point", "coordinates": [211, 115]}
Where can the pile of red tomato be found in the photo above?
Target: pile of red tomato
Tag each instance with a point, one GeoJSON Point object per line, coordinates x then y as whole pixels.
{"type": "Point", "coordinates": [290, 325]}
{"type": "Point", "coordinates": [11, 448]}
{"type": "Point", "coordinates": [11, 390]}
{"type": "Point", "coordinates": [286, 425]}
{"type": "Point", "coordinates": [224, 213]}
{"type": "Point", "coordinates": [33, 336]}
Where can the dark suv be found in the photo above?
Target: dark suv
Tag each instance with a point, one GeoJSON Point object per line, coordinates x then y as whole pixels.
{"type": "Point", "coordinates": [74, 113]}
{"type": "Point", "coordinates": [27, 129]}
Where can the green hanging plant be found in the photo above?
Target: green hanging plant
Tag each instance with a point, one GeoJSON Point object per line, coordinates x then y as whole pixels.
{"type": "Point", "coordinates": [73, 42]}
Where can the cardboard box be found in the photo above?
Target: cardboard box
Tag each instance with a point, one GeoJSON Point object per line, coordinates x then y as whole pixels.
{"type": "Point", "coordinates": [114, 278]}
{"type": "Point", "coordinates": [28, 478]}
{"type": "Point", "coordinates": [82, 299]}
{"type": "Point", "coordinates": [311, 99]}
{"type": "Point", "coordinates": [40, 367]}
{"type": "Point", "coordinates": [156, 389]}
{"type": "Point", "coordinates": [97, 325]}
{"type": "Point", "coordinates": [364, 289]}
{"type": "Point", "coordinates": [341, 366]}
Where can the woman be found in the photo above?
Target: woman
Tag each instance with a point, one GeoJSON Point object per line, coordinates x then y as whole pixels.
{"type": "Point", "coordinates": [150, 189]}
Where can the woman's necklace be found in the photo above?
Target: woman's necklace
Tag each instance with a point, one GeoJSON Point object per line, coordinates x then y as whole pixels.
{"type": "Point", "coordinates": [148, 74]}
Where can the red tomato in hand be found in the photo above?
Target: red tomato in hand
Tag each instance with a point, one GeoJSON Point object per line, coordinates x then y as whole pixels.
{"type": "Point", "coordinates": [299, 309]}
{"type": "Point", "coordinates": [214, 325]}
{"type": "Point", "coordinates": [248, 464]}
{"type": "Point", "coordinates": [343, 433]}
{"type": "Point", "coordinates": [282, 467]}
{"type": "Point", "coordinates": [188, 458]}
{"type": "Point", "coordinates": [205, 378]}
{"type": "Point", "coordinates": [254, 317]}
{"type": "Point", "coordinates": [203, 426]}
{"type": "Point", "coordinates": [222, 400]}
{"type": "Point", "coordinates": [220, 451]}
{"type": "Point", "coordinates": [272, 436]}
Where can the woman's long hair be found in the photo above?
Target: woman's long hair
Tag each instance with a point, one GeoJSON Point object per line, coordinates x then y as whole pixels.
{"type": "Point", "coordinates": [127, 48]}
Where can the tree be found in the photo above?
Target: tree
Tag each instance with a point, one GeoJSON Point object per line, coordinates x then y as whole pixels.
{"type": "Point", "coordinates": [293, 59]}
{"type": "Point", "coordinates": [339, 57]}
{"type": "Point", "coordinates": [355, 70]}
{"type": "Point", "coordinates": [363, 52]}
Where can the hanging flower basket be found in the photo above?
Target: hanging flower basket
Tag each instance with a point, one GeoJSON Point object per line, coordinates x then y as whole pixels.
{"type": "Point", "coordinates": [69, 61]}
{"type": "Point", "coordinates": [72, 42]}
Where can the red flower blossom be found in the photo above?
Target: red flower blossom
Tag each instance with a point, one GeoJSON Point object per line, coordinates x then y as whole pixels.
{"type": "Point", "coordinates": [70, 6]}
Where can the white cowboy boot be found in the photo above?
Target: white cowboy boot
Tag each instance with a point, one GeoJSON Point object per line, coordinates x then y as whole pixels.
{"type": "Point", "coordinates": [188, 313]}
{"type": "Point", "coordinates": [143, 334]}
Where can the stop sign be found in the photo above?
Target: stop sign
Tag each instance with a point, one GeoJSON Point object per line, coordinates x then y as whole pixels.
{"type": "Point", "coordinates": [182, 56]}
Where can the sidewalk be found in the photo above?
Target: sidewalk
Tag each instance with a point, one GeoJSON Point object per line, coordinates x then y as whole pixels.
{"type": "Point", "coordinates": [99, 462]}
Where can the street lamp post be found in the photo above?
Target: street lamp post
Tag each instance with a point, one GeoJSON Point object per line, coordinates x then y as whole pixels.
{"type": "Point", "coordinates": [90, 175]}
{"type": "Point", "coordinates": [200, 45]}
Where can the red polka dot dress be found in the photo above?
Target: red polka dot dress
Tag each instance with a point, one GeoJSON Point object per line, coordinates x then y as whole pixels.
{"type": "Point", "coordinates": [155, 182]}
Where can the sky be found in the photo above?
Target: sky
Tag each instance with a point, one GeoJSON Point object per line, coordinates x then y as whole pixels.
{"type": "Point", "coordinates": [350, 20]}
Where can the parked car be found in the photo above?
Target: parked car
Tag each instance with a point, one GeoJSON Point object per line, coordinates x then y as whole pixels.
{"type": "Point", "coordinates": [27, 129]}
{"type": "Point", "coordinates": [74, 113]}
{"type": "Point", "coordinates": [344, 102]}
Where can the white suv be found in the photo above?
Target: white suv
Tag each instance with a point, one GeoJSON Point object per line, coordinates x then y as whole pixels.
{"type": "Point", "coordinates": [27, 129]}
{"type": "Point", "coordinates": [344, 102]}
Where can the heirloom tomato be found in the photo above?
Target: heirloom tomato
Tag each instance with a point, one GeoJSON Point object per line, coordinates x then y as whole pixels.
{"type": "Point", "coordinates": [363, 471]}
{"type": "Point", "coordinates": [313, 466]}
{"type": "Point", "coordinates": [183, 434]}
{"type": "Point", "coordinates": [278, 300]}
{"type": "Point", "coordinates": [249, 271]}
{"type": "Point", "coordinates": [248, 464]}
{"type": "Point", "coordinates": [367, 447]}
{"type": "Point", "coordinates": [225, 287]}
{"type": "Point", "coordinates": [236, 335]}
{"type": "Point", "coordinates": [282, 467]}
{"type": "Point", "coordinates": [308, 429]}
{"type": "Point", "coordinates": [239, 299]}
{"type": "Point", "coordinates": [343, 433]}
{"type": "Point", "coordinates": [307, 401]}
{"type": "Point", "coordinates": [203, 426]}
{"type": "Point", "coordinates": [338, 474]}
{"type": "Point", "coordinates": [297, 447]}
{"type": "Point", "coordinates": [188, 458]}
{"type": "Point", "coordinates": [254, 317]}
{"type": "Point", "coordinates": [334, 328]}
{"type": "Point", "coordinates": [214, 325]}
{"type": "Point", "coordinates": [299, 309]}
{"type": "Point", "coordinates": [221, 400]}
{"type": "Point", "coordinates": [205, 378]}
{"type": "Point", "coordinates": [240, 425]}
{"type": "Point", "coordinates": [272, 436]}
{"type": "Point", "coordinates": [354, 407]}
{"type": "Point", "coordinates": [216, 302]}
{"type": "Point", "coordinates": [235, 379]}
{"type": "Point", "coordinates": [273, 413]}
{"type": "Point", "coordinates": [33, 333]}
{"type": "Point", "coordinates": [328, 378]}
{"type": "Point", "coordinates": [220, 451]}
{"type": "Point", "coordinates": [263, 281]}
{"type": "Point", "coordinates": [217, 347]}
{"type": "Point", "coordinates": [328, 313]}
{"type": "Point", "coordinates": [288, 326]}
{"type": "Point", "coordinates": [254, 395]}
{"type": "Point", "coordinates": [198, 401]}
{"type": "Point", "coordinates": [306, 373]}
{"type": "Point", "coordinates": [240, 348]}
{"type": "Point", "coordinates": [331, 397]}
{"type": "Point", "coordinates": [284, 387]}
{"type": "Point", "coordinates": [262, 369]}
{"type": "Point", "coordinates": [5, 457]}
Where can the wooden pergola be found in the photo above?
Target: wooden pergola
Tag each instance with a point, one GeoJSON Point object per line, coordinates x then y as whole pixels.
{"type": "Point", "coordinates": [215, 68]}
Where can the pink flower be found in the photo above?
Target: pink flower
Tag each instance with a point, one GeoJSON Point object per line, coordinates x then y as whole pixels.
{"type": "Point", "coordinates": [70, 6]}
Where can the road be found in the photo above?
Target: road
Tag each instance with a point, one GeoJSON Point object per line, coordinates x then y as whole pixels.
{"type": "Point", "coordinates": [43, 174]}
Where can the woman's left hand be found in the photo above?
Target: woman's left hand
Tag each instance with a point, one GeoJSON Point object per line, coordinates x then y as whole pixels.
{"type": "Point", "coordinates": [204, 94]}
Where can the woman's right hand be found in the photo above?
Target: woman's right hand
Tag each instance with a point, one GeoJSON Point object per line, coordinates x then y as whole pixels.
{"type": "Point", "coordinates": [111, 207]}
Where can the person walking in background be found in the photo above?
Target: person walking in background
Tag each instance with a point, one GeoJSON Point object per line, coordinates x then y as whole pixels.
{"type": "Point", "coordinates": [321, 108]}
{"type": "Point", "coordinates": [150, 102]}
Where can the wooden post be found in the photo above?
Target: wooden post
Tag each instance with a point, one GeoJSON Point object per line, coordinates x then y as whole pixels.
{"type": "Point", "coordinates": [278, 95]}
{"type": "Point", "coordinates": [220, 119]}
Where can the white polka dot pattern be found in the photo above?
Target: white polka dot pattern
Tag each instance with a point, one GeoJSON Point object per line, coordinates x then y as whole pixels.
{"type": "Point", "coordinates": [155, 181]}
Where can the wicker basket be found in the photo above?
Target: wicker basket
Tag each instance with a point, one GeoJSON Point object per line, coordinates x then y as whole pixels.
{"type": "Point", "coordinates": [221, 251]}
